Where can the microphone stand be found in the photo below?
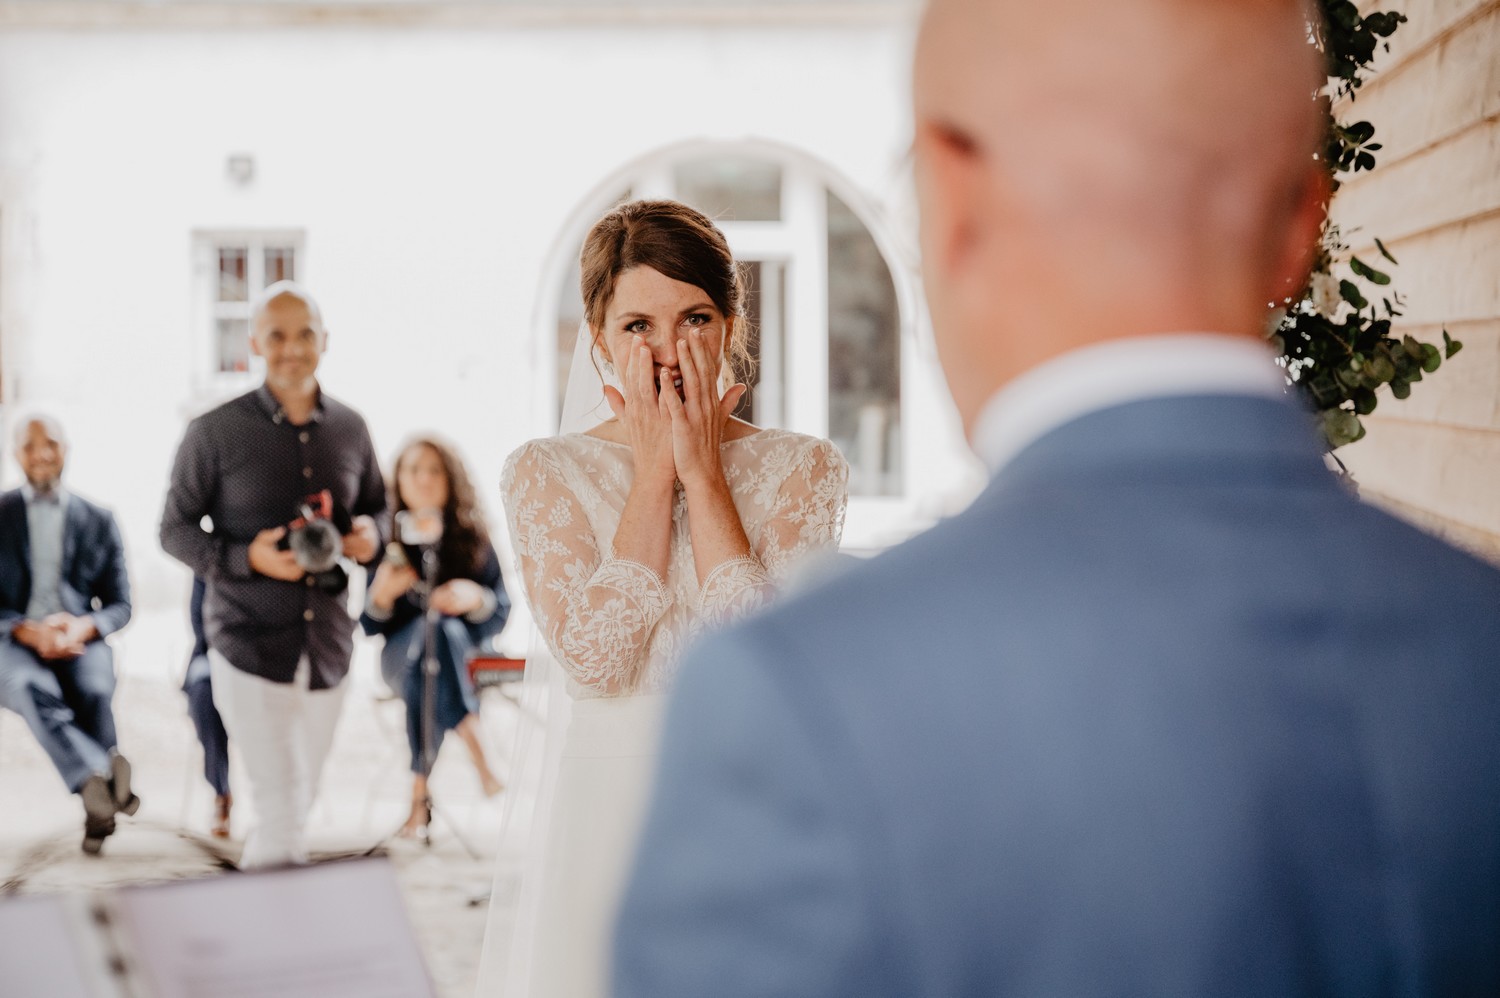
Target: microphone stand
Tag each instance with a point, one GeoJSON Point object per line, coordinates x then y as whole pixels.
{"type": "Point", "coordinates": [428, 718]}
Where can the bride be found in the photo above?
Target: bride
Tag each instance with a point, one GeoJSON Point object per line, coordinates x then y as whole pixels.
{"type": "Point", "coordinates": [632, 537]}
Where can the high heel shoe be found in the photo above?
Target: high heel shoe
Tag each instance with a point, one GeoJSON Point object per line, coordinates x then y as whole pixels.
{"type": "Point", "coordinates": [417, 821]}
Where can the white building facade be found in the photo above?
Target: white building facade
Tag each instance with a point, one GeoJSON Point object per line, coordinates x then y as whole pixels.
{"type": "Point", "coordinates": [429, 170]}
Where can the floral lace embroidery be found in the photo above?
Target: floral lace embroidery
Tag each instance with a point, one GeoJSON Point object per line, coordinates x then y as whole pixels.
{"type": "Point", "coordinates": [615, 626]}
{"type": "Point", "coordinates": [733, 589]}
{"type": "Point", "coordinates": [636, 582]}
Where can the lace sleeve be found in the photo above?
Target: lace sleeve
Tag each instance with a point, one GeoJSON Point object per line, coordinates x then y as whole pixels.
{"type": "Point", "coordinates": [806, 515]}
{"type": "Point", "coordinates": [595, 612]}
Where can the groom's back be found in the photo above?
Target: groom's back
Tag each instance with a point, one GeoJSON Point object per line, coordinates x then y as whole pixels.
{"type": "Point", "coordinates": [1148, 730]}
{"type": "Point", "coordinates": [1129, 725]}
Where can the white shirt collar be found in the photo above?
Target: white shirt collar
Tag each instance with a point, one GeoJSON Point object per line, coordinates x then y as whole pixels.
{"type": "Point", "coordinates": [29, 494]}
{"type": "Point", "coordinates": [1109, 374]}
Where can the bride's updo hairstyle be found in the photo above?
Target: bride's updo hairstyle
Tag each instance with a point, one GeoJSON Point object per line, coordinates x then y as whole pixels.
{"type": "Point", "coordinates": [677, 241]}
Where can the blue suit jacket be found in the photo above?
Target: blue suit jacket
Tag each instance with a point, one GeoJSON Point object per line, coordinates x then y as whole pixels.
{"type": "Point", "coordinates": [1165, 712]}
{"type": "Point", "coordinates": [94, 580]}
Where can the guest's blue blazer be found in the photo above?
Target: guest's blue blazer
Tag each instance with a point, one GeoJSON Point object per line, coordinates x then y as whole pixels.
{"type": "Point", "coordinates": [1166, 712]}
{"type": "Point", "coordinates": [94, 580]}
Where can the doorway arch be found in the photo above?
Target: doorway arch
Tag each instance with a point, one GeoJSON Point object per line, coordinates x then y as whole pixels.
{"type": "Point", "coordinates": [833, 316]}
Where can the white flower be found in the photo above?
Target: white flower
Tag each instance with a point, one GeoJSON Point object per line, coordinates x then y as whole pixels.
{"type": "Point", "coordinates": [1325, 295]}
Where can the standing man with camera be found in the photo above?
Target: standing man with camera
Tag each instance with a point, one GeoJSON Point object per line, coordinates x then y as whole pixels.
{"type": "Point", "coordinates": [277, 621]}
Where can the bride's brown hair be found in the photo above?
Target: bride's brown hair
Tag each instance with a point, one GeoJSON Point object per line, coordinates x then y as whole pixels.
{"type": "Point", "coordinates": [677, 241]}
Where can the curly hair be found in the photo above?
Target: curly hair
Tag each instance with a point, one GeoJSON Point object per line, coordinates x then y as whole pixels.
{"type": "Point", "coordinates": [461, 552]}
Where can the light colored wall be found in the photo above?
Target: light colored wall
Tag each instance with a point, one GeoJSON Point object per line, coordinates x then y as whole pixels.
{"type": "Point", "coordinates": [1434, 200]}
{"type": "Point", "coordinates": [435, 171]}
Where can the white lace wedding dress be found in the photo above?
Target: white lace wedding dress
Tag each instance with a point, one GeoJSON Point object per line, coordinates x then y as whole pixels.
{"type": "Point", "coordinates": [618, 630]}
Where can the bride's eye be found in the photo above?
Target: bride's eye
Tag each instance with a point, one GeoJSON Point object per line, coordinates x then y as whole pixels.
{"type": "Point", "coordinates": [698, 319]}
{"type": "Point", "coordinates": [638, 326]}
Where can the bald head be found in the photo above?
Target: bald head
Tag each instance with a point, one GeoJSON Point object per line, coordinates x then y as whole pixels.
{"type": "Point", "coordinates": [1164, 149]}
{"type": "Point", "coordinates": [1139, 84]}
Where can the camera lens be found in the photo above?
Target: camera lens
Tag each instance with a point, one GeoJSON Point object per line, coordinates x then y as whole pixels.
{"type": "Point", "coordinates": [316, 546]}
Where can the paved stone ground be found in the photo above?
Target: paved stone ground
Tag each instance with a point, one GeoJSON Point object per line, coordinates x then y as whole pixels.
{"type": "Point", "coordinates": [365, 796]}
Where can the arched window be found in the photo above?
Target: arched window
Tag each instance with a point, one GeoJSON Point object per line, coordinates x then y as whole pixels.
{"type": "Point", "coordinates": [864, 355]}
{"type": "Point", "coordinates": [824, 313]}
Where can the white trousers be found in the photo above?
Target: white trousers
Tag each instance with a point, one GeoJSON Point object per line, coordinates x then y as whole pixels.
{"type": "Point", "coordinates": [282, 732]}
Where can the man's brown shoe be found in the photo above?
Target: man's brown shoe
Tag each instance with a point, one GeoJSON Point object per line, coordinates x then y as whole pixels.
{"type": "Point", "coordinates": [98, 813]}
{"type": "Point", "coordinates": [119, 784]}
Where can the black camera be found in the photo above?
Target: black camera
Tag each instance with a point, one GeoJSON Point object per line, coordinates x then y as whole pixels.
{"type": "Point", "coordinates": [316, 540]}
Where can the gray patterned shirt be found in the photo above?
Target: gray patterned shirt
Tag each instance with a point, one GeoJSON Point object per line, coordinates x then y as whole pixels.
{"type": "Point", "coordinates": [246, 467]}
{"type": "Point", "coordinates": [44, 527]}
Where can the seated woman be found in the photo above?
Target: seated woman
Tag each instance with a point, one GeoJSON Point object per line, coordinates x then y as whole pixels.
{"type": "Point", "coordinates": [469, 596]}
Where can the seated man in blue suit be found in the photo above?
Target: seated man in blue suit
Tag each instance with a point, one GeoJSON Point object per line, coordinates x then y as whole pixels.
{"type": "Point", "coordinates": [63, 589]}
{"type": "Point", "coordinates": [1166, 710]}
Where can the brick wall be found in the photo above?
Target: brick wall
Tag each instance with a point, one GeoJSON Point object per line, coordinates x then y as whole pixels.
{"type": "Point", "coordinates": [1434, 200]}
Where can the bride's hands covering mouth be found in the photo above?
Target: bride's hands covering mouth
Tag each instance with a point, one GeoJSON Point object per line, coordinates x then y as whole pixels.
{"type": "Point", "coordinates": [642, 411]}
{"type": "Point", "coordinates": [698, 413]}
{"type": "Point", "coordinates": [663, 375]}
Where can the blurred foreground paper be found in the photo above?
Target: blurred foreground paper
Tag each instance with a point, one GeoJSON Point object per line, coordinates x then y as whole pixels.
{"type": "Point", "coordinates": [46, 949]}
{"type": "Point", "coordinates": [338, 930]}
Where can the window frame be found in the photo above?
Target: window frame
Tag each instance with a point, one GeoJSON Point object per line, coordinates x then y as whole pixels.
{"type": "Point", "coordinates": [208, 309]}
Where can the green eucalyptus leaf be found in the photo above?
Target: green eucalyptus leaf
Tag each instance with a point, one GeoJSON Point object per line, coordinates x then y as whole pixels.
{"type": "Point", "coordinates": [1342, 13]}
{"type": "Point", "coordinates": [1341, 427]}
{"type": "Point", "coordinates": [1364, 401]}
{"type": "Point", "coordinates": [1401, 389]}
{"type": "Point", "coordinates": [1382, 368]}
{"type": "Point", "coordinates": [1450, 345]}
{"type": "Point", "coordinates": [1431, 359]}
{"type": "Point", "coordinates": [1368, 272]}
{"type": "Point", "coordinates": [1325, 391]}
{"type": "Point", "coordinates": [1360, 132]}
{"type": "Point", "coordinates": [1381, 246]}
{"type": "Point", "coordinates": [1349, 291]}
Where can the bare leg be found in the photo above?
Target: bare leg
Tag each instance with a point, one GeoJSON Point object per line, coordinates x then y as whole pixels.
{"type": "Point", "coordinates": [468, 730]}
{"type": "Point", "coordinates": [220, 827]}
{"type": "Point", "coordinates": [416, 822]}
